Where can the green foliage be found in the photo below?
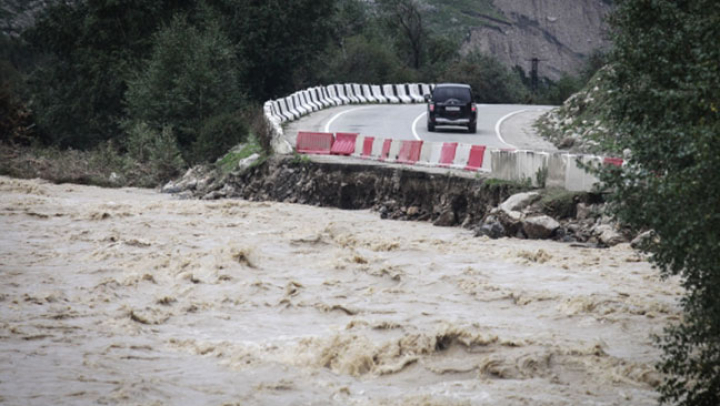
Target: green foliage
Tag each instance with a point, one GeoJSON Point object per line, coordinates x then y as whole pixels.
{"type": "Point", "coordinates": [281, 40]}
{"type": "Point", "coordinates": [364, 59]}
{"type": "Point", "coordinates": [229, 162]}
{"type": "Point", "coordinates": [87, 49]}
{"type": "Point", "coordinates": [666, 69]}
{"type": "Point", "coordinates": [165, 157]}
{"type": "Point", "coordinates": [189, 82]}
{"type": "Point", "coordinates": [157, 150]}
{"type": "Point", "coordinates": [218, 134]}
{"type": "Point", "coordinates": [491, 81]}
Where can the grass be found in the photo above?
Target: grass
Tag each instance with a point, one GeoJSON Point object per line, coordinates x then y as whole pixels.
{"type": "Point", "coordinates": [229, 162]}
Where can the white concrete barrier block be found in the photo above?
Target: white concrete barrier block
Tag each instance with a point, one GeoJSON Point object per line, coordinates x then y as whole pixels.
{"type": "Point", "coordinates": [290, 109]}
{"type": "Point", "coordinates": [577, 178]}
{"type": "Point", "coordinates": [367, 92]}
{"type": "Point", "coordinates": [378, 94]}
{"type": "Point", "coordinates": [504, 165]}
{"type": "Point", "coordinates": [557, 168]}
{"type": "Point", "coordinates": [416, 93]}
{"type": "Point", "coordinates": [389, 93]}
{"type": "Point", "coordinates": [340, 92]}
{"type": "Point", "coordinates": [359, 93]}
{"type": "Point", "coordinates": [402, 93]}
{"type": "Point", "coordinates": [309, 102]}
{"type": "Point", "coordinates": [333, 96]}
{"type": "Point", "coordinates": [531, 164]}
{"type": "Point", "coordinates": [350, 93]}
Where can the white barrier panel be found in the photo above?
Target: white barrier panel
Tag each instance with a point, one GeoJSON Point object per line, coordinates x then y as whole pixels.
{"type": "Point", "coordinates": [377, 93]}
{"type": "Point", "coordinates": [284, 110]}
{"type": "Point", "coordinates": [359, 143]}
{"type": "Point", "coordinates": [359, 93]}
{"type": "Point", "coordinates": [504, 165]}
{"type": "Point", "coordinates": [557, 169]}
{"type": "Point", "coordinates": [415, 93]}
{"type": "Point", "coordinates": [271, 114]}
{"type": "Point", "coordinates": [402, 94]}
{"type": "Point", "coordinates": [298, 105]}
{"type": "Point", "coordinates": [425, 89]}
{"type": "Point", "coordinates": [389, 93]}
{"type": "Point", "coordinates": [377, 148]}
{"type": "Point", "coordinates": [576, 178]}
{"type": "Point", "coordinates": [462, 155]}
{"type": "Point", "coordinates": [430, 153]}
{"type": "Point", "coordinates": [368, 94]}
{"type": "Point", "coordinates": [351, 94]}
{"type": "Point", "coordinates": [332, 95]}
{"type": "Point", "coordinates": [394, 151]}
{"type": "Point", "coordinates": [340, 92]}
{"type": "Point", "coordinates": [314, 97]}
{"type": "Point", "coordinates": [309, 95]}
{"type": "Point", "coordinates": [290, 108]}
{"type": "Point", "coordinates": [326, 96]}
{"type": "Point", "coordinates": [532, 164]}
{"type": "Point", "coordinates": [307, 103]}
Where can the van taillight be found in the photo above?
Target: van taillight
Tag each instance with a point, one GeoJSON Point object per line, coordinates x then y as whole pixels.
{"type": "Point", "coordinates": [474, 108]}
{"type": "Point", "coordinates": [432, 107]}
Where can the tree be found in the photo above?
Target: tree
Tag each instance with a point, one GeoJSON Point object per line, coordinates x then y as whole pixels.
{"type": "Point", "coordinates": [280, 41]}
{"type": "Point", "coordinates": [666, 109]}
{"type": "Point", "coordinates": [491, 81]}
{"type": "Point", "coordinates": [406, 17]}
{"type": "Point", "coordinates": [190, 78]}
{"type": "Point", "coordinates": [87, 50]}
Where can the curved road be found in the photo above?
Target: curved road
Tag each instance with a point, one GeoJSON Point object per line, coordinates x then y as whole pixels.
{"type": "Point", "coordinates": [408, 122]}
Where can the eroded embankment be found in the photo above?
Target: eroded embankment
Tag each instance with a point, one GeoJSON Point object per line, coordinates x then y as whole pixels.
{"type": "Point", "coordinates": [445, 198]}
{"type": "Point", "coordinates": [396, 192]}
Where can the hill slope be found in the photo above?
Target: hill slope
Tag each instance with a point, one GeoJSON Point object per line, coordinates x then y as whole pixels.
{"type": "Point", "coordinates": [561, 33]}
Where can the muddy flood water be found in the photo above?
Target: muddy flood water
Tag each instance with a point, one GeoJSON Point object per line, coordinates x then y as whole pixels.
{"type": "Point", "coordinates": [129, 297]}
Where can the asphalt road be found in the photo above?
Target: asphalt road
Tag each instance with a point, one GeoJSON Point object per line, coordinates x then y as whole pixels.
{"type": "Point", "coordinates": [408, 122]}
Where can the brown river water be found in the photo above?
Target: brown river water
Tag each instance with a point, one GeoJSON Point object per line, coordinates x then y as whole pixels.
{"type": "Point", "coordinates": [129, 297]}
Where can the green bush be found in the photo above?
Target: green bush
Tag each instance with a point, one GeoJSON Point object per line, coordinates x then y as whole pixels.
{"type": "Point", "coordinates": [217, 135]}
{"type": "Point", "coordinates": [190, 78]}
{"type": "Point", "coordinates": [665, 107]}
{"type": "Point", "coordinates": [491, 81]}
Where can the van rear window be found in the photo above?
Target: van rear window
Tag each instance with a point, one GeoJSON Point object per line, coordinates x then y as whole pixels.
{"type": "Point", "coordinates": [443, 94]}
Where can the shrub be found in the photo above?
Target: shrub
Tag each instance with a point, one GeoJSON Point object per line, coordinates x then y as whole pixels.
{"type": "Point", "coordinates": [217, 135]}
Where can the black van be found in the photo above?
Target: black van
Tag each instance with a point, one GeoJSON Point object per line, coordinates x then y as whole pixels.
{"type": "Point", "coordinates": [451, 104]}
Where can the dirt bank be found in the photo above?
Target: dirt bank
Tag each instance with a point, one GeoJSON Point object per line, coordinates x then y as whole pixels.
{"type": "Point", "coordinates": [126, 296]}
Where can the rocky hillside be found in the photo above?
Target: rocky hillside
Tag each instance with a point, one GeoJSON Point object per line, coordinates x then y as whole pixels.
{"type": "Point", "coordinates": [561, 33]}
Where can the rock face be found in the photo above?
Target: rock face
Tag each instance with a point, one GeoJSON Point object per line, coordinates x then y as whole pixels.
{"type": "Point", "coordinates": [540, 227]}
{"type": "Point", "coordinates": [561, 33]}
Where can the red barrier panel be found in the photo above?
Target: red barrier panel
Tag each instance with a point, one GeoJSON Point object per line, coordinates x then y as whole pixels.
{"type": "Point", "coordinates": [314, 143]}
{"type": "Point", "coordinates": [447, 155]}
{"type": "Point", "coordinates": [344, 144]}
{"type": "Point", "coordinates": [367, 147]}
{"type": "Point", "coordinates": [613, 161]}
{"type": "Point", "coordinates": [475, 160]}
{"type": "Point", "coordinates": [409, 152]}
{"type": "Point", "coordinates": [385, 150]}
